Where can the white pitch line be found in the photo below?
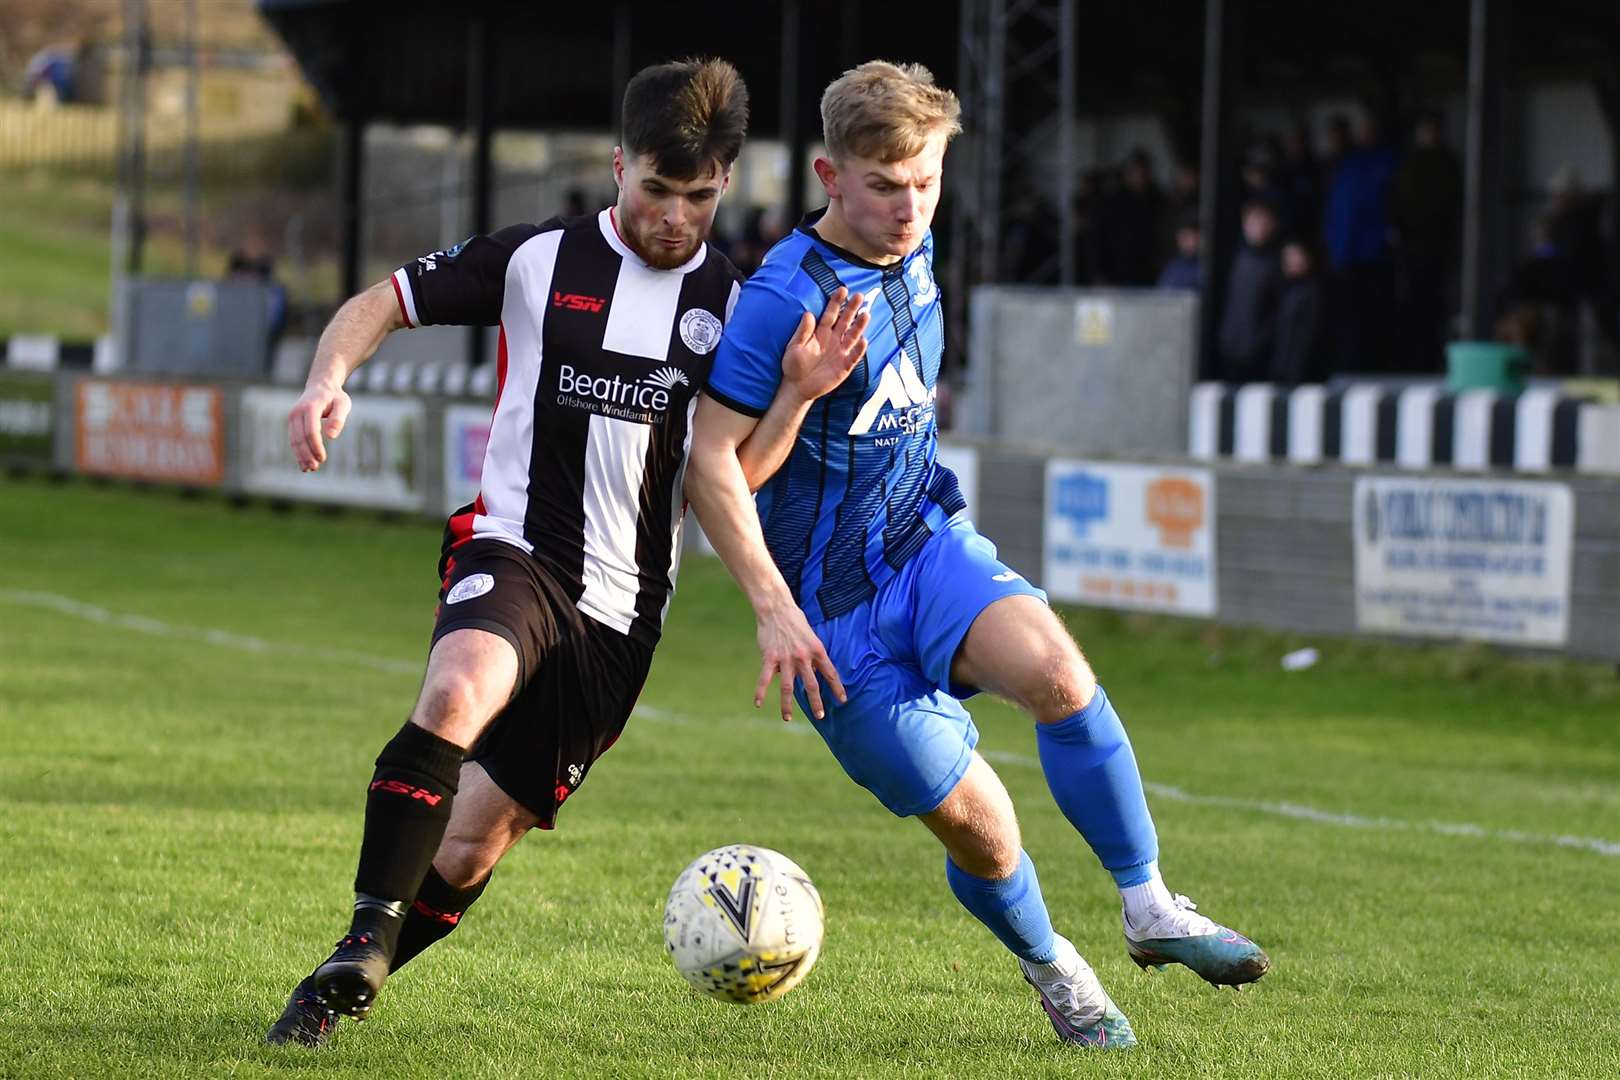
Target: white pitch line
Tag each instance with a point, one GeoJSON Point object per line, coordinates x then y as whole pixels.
{"type": "Point", "coordinates": [1276, 809]}
{"type": "Point", "coordinates": [141, 624]}
{"type": "Point", "coordinates": [241, 642]}
{"type": "Point", "coordinates": [1348, 821]}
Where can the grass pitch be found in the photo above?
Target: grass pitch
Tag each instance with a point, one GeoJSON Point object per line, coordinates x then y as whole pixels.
{"type": "Point", "coordinates": [193, 697]}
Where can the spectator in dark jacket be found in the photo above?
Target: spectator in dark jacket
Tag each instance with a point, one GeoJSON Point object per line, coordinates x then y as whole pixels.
{"type": "Point", "coordinates": [1131, 235]}
{"type": "Point", "coordinates": [1181, 272]}
{"type": "Point", "coordinates": [1425, 212]}
{"type": "Point", "coordinates": [1249, 321]}
{"type": "Point", "coordinates": [1301, 327]}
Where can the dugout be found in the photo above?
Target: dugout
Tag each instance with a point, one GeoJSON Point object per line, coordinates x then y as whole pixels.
{"type": "Point", "coordinates": [1040, 82]}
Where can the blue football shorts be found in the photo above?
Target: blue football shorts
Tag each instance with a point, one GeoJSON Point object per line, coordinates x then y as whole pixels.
{"type": "Point", "coordinates": [904, 734]}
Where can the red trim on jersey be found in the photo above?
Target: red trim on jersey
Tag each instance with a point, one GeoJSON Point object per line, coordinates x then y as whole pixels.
{"type": "Point", "coordinates": [500, 368]}
{"type": "Point", "coordinates": [399, 298]}
{"type": "Point", "coordinates": [461, 525]}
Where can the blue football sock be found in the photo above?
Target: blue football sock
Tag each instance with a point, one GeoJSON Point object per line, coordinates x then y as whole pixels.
{"type": "Point", "coordinates": [1092, 772]}
{"type": "Point", "coordinates": [1012, 908]}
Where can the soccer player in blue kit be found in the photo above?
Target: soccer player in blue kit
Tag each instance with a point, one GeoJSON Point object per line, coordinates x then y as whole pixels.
{"type": "Point", "coordinates": [863, 568]}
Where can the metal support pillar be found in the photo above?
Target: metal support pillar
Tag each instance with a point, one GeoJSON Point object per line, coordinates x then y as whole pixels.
{"type": "Point", "coordinates": [137, 62]}
{"type": "Point", "coordinates": [1069, 35]}
{"type": "Point", "coordinates": [992, 101]}
{"type": "Point", "coordinates": [623, 23]}
{"type": "Point", "coordinates": [1219, 202]}
{"type": "Point", "coordinates": [794, 136]}
{"type": "Point", "coordinates": [1017, 74]}
{"type": "Point", "coordinates": [192, 166]}
{"type": "Point", "coordinates": [480, 114]}
{"type": "Point", "coordinates": [1484, 187]}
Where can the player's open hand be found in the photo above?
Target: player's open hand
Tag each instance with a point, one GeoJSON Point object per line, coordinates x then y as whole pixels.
{"type": "Point", "coordinates": [791, 651]}
{"type": "Point", "coordinates": [821, 354]}
{"type": "Point", "coordinates": [320, 410]}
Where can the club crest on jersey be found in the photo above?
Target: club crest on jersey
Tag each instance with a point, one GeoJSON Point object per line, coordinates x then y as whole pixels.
{"type": "Point", "coordinates": [925, 283]}
{"type": "Point", "coordinates": [468, 587]}
{"type": "Point", "coordinates": [700, 330]}
{"type": "Point", "coordinates": [901, 404]}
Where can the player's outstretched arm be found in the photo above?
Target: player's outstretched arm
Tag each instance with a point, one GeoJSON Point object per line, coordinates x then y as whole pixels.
{"type": "Point", "coordinates": [718, 491]}
{"type": "Point", "coordinates": [818, 358]}
{"type": "Point", "coordinates": [347, 342]}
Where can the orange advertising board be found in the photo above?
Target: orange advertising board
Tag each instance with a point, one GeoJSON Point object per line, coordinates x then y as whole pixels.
{"type": "Point", "coordinates": [151, 431]}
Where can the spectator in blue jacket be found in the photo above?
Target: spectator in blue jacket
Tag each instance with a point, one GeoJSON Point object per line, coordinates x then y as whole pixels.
{"type": "Point", "coordinates": [1357, 227]}
{"type": "Point", "coordinates": [1181, 272]}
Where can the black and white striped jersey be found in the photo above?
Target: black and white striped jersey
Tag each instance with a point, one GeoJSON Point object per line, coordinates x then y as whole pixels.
{"type": "Point", "coordinates": [601, 361]}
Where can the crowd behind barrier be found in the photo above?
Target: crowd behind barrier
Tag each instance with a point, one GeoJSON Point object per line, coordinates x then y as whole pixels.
{"type": "Point", "coordinates": [1349, 253]}
{"type": "Point", "coordinates": [1359, 542]}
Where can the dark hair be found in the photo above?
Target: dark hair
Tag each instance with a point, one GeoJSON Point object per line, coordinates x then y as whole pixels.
{"type": "Point", "coordinates": [686, 115]}
{"type": "Point", "coordinates": [1263, 202]}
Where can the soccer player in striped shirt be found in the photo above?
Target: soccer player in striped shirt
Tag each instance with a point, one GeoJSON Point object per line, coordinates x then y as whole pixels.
{"type": "Point", "coordinates": [862, 539]}
{"type": "Point", "coordinates": [557, 577]}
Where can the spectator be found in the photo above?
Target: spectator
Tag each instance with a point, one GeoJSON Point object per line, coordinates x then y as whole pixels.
{"type": "Point", "coordinates": [1300, 177]}
{"type": "Point", "coordinates": [1260, 181]}
{"type": "Point", "coordinates": [1425, 210]}
{"type": "Point", "coordinates": [1131, 226]}
{"type": "Point", "coordinates": [1574, 224]}
{"type": "Point", "coordinates": [1301, 317]}
{"type": "Point", "coordinates": [1357, 232]}
{"type": "Point", "coordinates": [260, 270]}
{"type": "Point", "coordinates": [1254, 287]}
{"type": "Point", "coordinates": [1335, 144]}
{"type": "Point", "coordinates": [1087, 239]}
{"type": "Point", "coordinates": [52, 74]}
{"type": "Point", "coordinates": [1181, 272]}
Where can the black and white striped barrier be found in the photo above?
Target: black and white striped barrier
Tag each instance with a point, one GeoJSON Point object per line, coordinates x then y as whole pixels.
{"type": "Point", "coordinates": [452, 380]}
{"type": "Point", "coordinates": [43, 352]}
{"type": "Point", "coordinates": [1413, 427]}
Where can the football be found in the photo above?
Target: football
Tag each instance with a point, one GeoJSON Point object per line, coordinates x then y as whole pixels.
{"type": "Point", "coordinates": [743, 924]}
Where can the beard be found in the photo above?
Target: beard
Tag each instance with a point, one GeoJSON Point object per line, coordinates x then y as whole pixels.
{"type": "Point", "coordinates": [657, 255]}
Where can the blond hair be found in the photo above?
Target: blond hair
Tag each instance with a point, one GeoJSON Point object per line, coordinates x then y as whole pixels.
{"type": "Point", "coordinates": [886, 111]}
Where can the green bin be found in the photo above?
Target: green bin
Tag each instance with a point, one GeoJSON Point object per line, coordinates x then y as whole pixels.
{"type": "Point", "coordinates": [1486, 365]}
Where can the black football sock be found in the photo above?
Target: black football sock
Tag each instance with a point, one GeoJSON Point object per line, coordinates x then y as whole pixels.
{"type": "Point", "coordinates": [407, 809]}
{"type": "Point", "coordinates": [437, 910]}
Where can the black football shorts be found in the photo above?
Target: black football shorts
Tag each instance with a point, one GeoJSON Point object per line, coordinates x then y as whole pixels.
{"type": "Point", "coordinates": [577, 679]}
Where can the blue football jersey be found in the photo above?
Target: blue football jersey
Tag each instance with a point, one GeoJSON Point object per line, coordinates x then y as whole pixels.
{"type": "Point", "coordinates": [861, 491]}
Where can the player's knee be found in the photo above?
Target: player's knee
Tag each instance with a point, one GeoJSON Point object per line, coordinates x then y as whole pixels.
{"type": "Point", "coordinates": [463, 863]}
{"type": "Point", "coordinates": [450, 701]}
{"type": "Point", "coordinates": [1064, 683]}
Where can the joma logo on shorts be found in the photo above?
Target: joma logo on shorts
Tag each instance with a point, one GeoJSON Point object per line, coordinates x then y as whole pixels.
{"type": "Point", "coordinates": [400, 787]}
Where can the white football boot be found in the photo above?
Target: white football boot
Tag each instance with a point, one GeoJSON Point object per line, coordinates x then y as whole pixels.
{"type": "Point", "coordinates": [1081, 1011]}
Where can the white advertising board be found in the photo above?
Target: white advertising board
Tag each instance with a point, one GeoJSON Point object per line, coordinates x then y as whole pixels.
{"type": "Point", "coordinates": [1130, 536]}
{"type": "Point", "coordinates": [1480, 559]}
{"type": "Point", "coordinates": [466, 436]}
{"type": "Point", "coordinates": [377, 461]}
{"type": "Point", "coordinates": [964, 462]}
